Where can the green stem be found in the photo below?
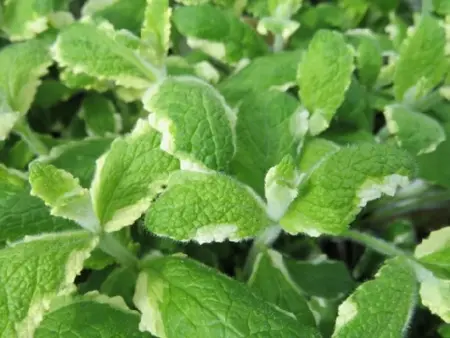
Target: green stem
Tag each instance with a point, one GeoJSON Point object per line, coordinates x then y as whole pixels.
{"type": "Point", "coordinates": [278, 43]}
{"type": "Point", "coordinates": [387, 249]}
{"type": "Point", "coordinates": [262, 241]}
{"type": "Point", "coordinates": [427, 6]}
{"type": "Point", "coordinates": [110, 245]}
{"type": "Point", "coordinates": [29, 136]}
{"type": "Point", "coordinates": [376, 244]}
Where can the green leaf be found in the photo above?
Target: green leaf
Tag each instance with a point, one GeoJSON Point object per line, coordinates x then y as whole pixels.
{"type": "Point", "coordinates": [209, 305]}
{"type": "Point", "coordinates": [121, 185]}
{"type": "Point", "coordinates": [381, 307]}
{"type": "Point", "coordinates": [92, 315]}
{"type": "Point", "coordinates": [27, 62]}
{"type": "Point", "coordinates": [122, 14]}
{"type": "Point", "coordinates": [8, 117]}
{"type": "Point", "coordinates": [82, 81]}
{"type": "Point", "coordinates": [121, 282]}
{"type": "Point", "coordinates": [413, 131]}
{"type": "Point", "coordinates": [434, 252]}
{"type": "Point", "coordinates": [206, 207]}
{"type": "Point", "coordinates": [276, 71]}
{"type": "Point", "coordinates": [100, 52]}
{"type": "Point", "coordinates": [368, 60]}
{"type": "Point", "coordinates": [199, 128]}
{"type": "Point", "coordinates": [435, 167]}
{"type": "Point", "coordinates": [346, 136]}
{"type": "Point", "coordinates": [314, 152]}
{"type": "Point", "coordinates": [444, 330]}
{"type": "Point", "coordinates": [50, 93]}
{"type": "Point", "coordinates": [435, 295]}
{"type": "Point", "coordinates": [343, 184]}
{"type": "Point", "coordinates": [321, 278]}
{"type": "Point", "coordinates": [24, 19]}
{"type": "Point", "coordinates": [63, 194]}
{"type": "Point", "coordinates": [271, 280]}
{"type": "Point", "coordinates": [421, 64]}
{"type": "Point", "coordinates": [355, 111]}
{"type": "Point", "coordinates": [156, 29]}
{"type": "Point", "coordinates": [78, 157]}
{"type": "Point", "coordinates": [22, 214]}
{"type": "Point", "coordinates": [100, 116]}
{"type": "Point", "coordinates": [441, 6]}
{"type": "Point", "coordinates": [324, 75]}
{"type": "Point", "coordinates": [35, 271]}
{"type": "Point", "coordinates": [218, 33]}
{"type": "Point", "coordinates": [281, 187]}
{"type": "Point", "coordinates": [269, 126]}
{"type": "Point", "coordinates": [385, 5]}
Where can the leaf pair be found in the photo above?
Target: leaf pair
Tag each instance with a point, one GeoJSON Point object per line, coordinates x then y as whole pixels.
{"type": "Point", "coordinates": [120, 191]}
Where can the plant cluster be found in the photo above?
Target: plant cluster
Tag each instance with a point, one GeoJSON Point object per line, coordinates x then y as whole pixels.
{"type": "Point", "coordinates": [224, 168]}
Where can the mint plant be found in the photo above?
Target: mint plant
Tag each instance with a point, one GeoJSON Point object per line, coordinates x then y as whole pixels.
{"type": "Point", "coordinates": [222, 168]}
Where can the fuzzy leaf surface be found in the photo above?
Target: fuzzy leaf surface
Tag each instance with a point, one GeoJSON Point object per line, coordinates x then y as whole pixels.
{"type": "Point", "coordinates": [33, 272]}
{"type": "Point", "coordinates": [198, 126]}
{"type": "Point", "coordinates": [206, 207]}
{"type": "Point", "coordinates": [208, 304]}
{"type": "Point", "coordinates": [343, 183]}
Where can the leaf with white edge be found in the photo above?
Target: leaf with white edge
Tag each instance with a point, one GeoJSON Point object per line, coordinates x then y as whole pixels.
{"type": "Point", "coordinates": [100, 116]}
{"type": "Point", "coordinates": [78, 157]}
{"type": "Point", "coordinates": [83, 81]}
{"type": "Point", "coordinates": [24, 19]}
{"type": "Point", "coordinates": [218, 33]}
{"type": "Point", "coordinates": [314, 152]}
{"type": "Point", "coordinates": [421, 64]}
{"type": "Point", "coordinates": [342, 185]}
{"type": "Point", "coordinates": [381, 307]}
{"type": "Point", "coordinates": [156, 29]}
{"type": "Point", "coordinates": [281, 187]}
{"type": "Point", "coordinates": [324, 77]}
{"type": "Point", "coordinates": [275, 71]}
{"type": "Point", "coordinates": [435, 295]}
{"type": "Point", "coordinates": [8, 117]}
{"type": "Point", "coordinates": [278, 20]}
{"type": "Point", "coordinates": [92, 315]}
{"type": "Point", "coordinates": [122, 14]}
{"type": "Point", "coordinates": [22, 214]}
{"type": "Point", "coordinates": [27, 62]}
{"type": "Point", "coordinates": [270, 125]}
{"type": "Point", "coordinates": [413, 131]}
{"type": "Point", "coordinates": [271, 280]}
{"type": "Point", "coordinates": [207, 304]}
{"type": "Point", "coordinates": [206, 207]}
{"type": "Point", "coordinates": [121, 189]}
{"type": "Point", "coordinates": [35, 271]}
{"type": "Point", "coordinates": [197, 125]}
{"type": "Point", "coordinates": [434, 252]}
{"type": "Point", "coordinates": [63, 194]}
{"type": "Point", "coordinates": [100, 52]}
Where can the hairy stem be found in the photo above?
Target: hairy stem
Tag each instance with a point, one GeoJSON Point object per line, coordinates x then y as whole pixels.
{"type": "Point", "coordinates": [374, 243]}
{"type": "Point", "coordinates": [278, 43]}
{"type": "Point", "coordinates": [265, 239]}
{"type": "Point", "coordinates": [110, 245]}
